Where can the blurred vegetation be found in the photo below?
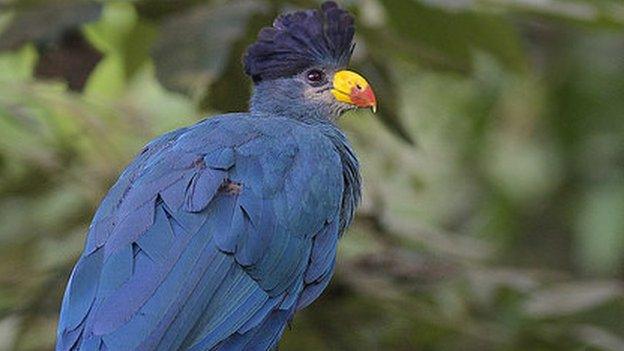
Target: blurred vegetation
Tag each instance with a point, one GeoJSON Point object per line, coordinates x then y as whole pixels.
{"type": "Point", "coordinates": [493, 216]}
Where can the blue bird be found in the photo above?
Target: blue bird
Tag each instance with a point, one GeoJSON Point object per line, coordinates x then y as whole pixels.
{"type": "Point", "coordinates": [217, 233]}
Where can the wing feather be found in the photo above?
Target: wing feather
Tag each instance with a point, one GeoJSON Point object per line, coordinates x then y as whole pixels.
{"type": "Point", "coordinates": [172, 262]}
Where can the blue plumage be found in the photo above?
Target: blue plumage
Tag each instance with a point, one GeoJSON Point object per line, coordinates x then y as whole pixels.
{"type": "Point", "coordinates": [218, 272]}
{"type": "Point", "coordinates": [301, 40]}
{"type": "Point", "coordinates": [216, 234]}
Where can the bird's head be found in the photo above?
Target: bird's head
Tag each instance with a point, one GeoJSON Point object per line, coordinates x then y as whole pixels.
{"type": "Point", "coordinates": [299, 66]}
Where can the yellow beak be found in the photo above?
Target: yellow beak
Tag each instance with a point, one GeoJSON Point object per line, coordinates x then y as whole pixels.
{"type": "Point", "coordinates": [351, 88]}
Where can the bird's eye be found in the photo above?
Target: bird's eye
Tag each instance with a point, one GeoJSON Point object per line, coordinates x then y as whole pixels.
{"type": "Point", "coordinates": [315, 76]}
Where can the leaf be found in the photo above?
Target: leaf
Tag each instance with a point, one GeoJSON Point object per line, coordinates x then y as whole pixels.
{"type": "Point", "coordinates": [18, 65]}
{"type": "Point", "coordinates": [108, 34]}
{"type": "Point", "coordinates": [8, 330]}
{"type": "Point", "coordinates": [46, 22]}
{"type": "Point", "coordinates": [194, 46]}
{"type": "Point", "coordinates": [107, 79]}
{"type": "Point", "coordinates": [600, 230]}
{"type": "Point", "coordinates": [449, 39]}
{"type": "Point", "coordinates": [571, 298]}
{"type": "Point", "coordinates": [599, 338]}
{"type": "Point", "coordinates": [121, 32]}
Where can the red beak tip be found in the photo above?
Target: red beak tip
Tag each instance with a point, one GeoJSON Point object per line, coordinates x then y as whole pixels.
{"type": "Point", "coordinates": [364, 98]}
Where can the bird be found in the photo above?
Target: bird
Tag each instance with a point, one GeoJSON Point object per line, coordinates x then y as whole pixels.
{"type": "Point", "coordinates": [217, 233]}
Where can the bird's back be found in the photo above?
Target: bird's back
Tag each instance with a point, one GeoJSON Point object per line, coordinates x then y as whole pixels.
{"type": "Point", "coordinates": [211, 239]}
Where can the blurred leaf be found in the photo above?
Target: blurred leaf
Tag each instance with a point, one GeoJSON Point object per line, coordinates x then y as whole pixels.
{"type": "Point", "coordinates": [110, 32]}
{"type": "Point", "coordinates": [122, 33]}
{"type": "Point", "coordinates": [108, 80]}
{"type": "Point", "coordinates": [522, 169]}
{"type": "Point", "coordinates": [600, 230]}
{"type": "Point", "coordinates": [194, 46]}
{"type": "Point", "coordinates": [137, 46]}
{"type": "Point", "coordinates": [452, 37]}
{"type": "Point", "coordinates": [46, 22]}
{"type": "Point", "coordinates": [17, 65]}
{"type": "Point", "coordinates": [163, 109]}
{"type": "Point", "coordinates": [571, 298]}
{"type": "Point", "coordinates": [600, 338]}
{"type": "Point", "coordinates": [8, 332]}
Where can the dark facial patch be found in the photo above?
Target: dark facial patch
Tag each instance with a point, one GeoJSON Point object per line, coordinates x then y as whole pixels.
{"type": "Point", "coordinates": [301, 40]}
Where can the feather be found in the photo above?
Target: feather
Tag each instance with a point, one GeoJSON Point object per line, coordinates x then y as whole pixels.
{"type": "Point", "coordinates": [157, 241]}
{"type": "Point", "coordinates": [82, 288]}
{"type": "Point", "coordinates": [323, 252]}
{"type": "Point", "coordinates": [173, 262]}
{"type": "Point", "coordinates": [221, 159]}
{"type": "Point", "coordinates": [260, 314]}
{"type": "Point", "coordinates": [202, 187]}
{"type": "Point", "coordinates": [301, 40]}
{"type": "Point", "coordinates": [312, 291]}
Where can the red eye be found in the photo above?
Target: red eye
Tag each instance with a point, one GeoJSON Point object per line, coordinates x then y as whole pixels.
{"type": "Point", "coordinates": [315, 76]}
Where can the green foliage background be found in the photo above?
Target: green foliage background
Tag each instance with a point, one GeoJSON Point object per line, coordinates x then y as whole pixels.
{"type": "Point", "coordinates": [493, 216]}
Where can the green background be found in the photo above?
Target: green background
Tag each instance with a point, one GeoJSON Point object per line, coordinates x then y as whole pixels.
{"type": "Point", "coordinates": [493, 211]}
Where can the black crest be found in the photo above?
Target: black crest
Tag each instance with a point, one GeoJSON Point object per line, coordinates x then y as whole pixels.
{"type": "Point", "coordinates": [301, 40]}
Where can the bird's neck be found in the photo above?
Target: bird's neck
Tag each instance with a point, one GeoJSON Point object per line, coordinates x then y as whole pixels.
{"type": "Point", "coordinates": [276, 99]}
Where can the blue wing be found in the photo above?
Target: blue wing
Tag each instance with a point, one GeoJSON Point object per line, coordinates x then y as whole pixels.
{"type": "Point", "coordinates": [172, 261]}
